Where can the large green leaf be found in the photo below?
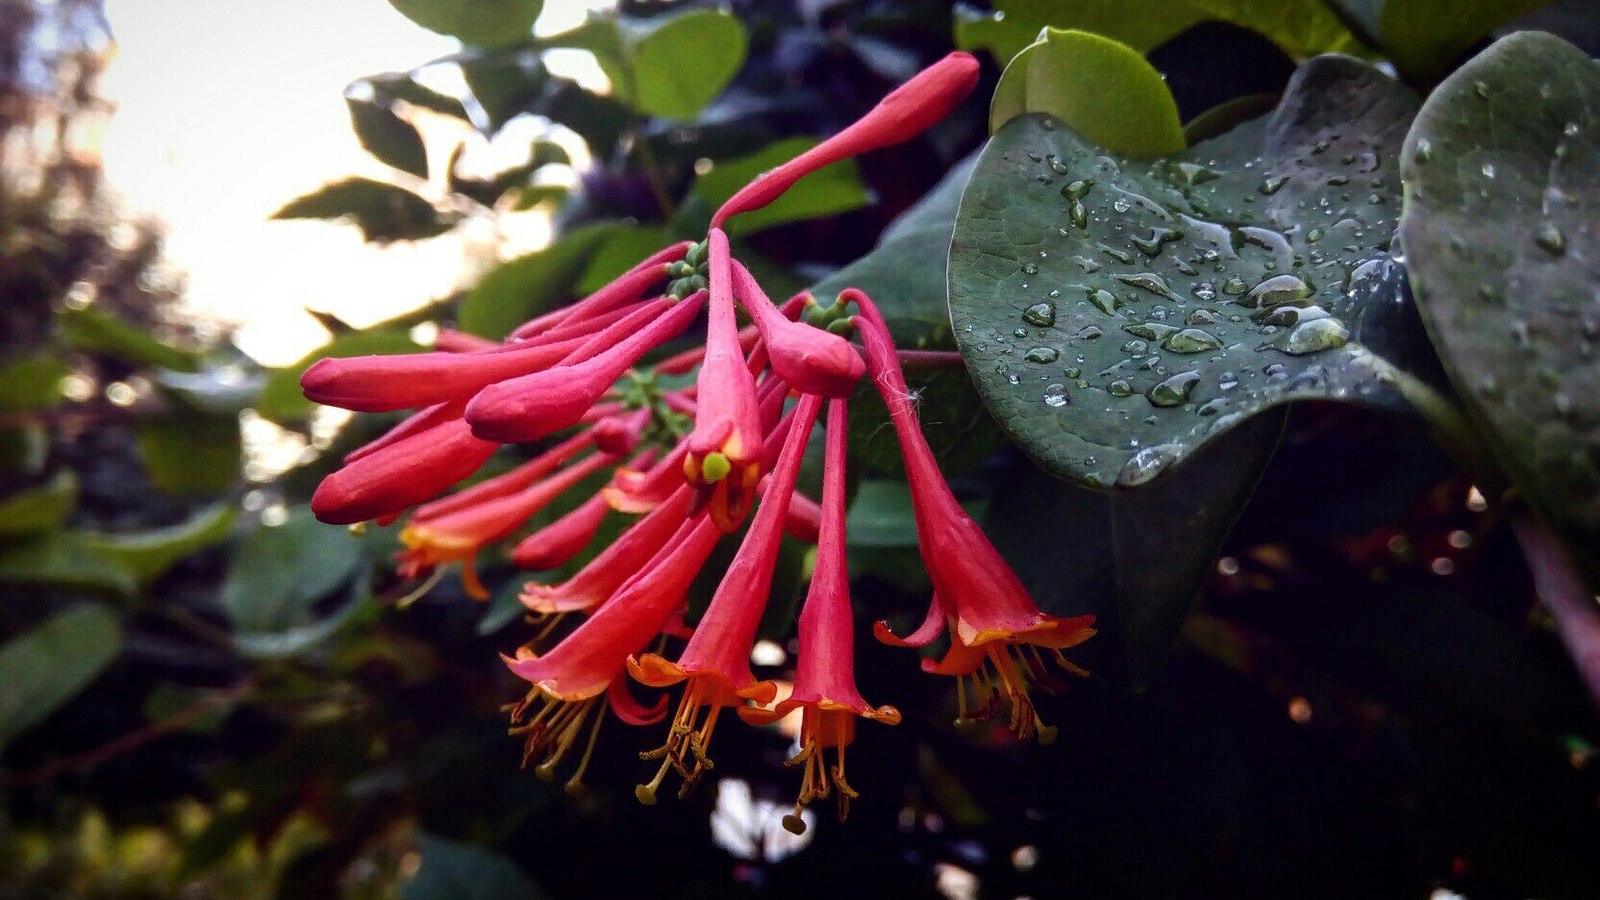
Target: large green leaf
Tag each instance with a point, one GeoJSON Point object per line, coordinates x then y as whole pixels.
{"type": "Point", "coordinates": [1118, 314]}
{"type": "Point", "coordinates": [68, 560]}
{"type": "Point", "coordinates": [1135, 559]}
{"type": "Point", "coordinates": [149, 554]}
{"type": "Point", "coordinates": [1302, 28]}
{"type": "Point", "coordinates": [483, 22]}
{"type": "Point", "coordinates": [679, 63]}
{"type": "Point", "coordinates": [828, 191]}
{"type": "Point", "coordinates": [1426, 37]}
{"type": "Point", "coordinates": [1102, 88]}
{"type": "Point", "coordinates": [390, 138]}
{"type": "Point", "coordinates": [39, 508]}
{"type": "Point", "coordinates": [276, 579]}
{"type": "Point", "coordinates": [519, 289]}
{"type": "Point", "coordinates": [456, 871]}
{"type": "Point", "coordinates": [282, 400]}
{"type": "Point", "coordinates": [43, 668]}
{"type": "Point", "coordinates": [383, 212]}
{"type": "Point", "coordinates": [1502, 175]}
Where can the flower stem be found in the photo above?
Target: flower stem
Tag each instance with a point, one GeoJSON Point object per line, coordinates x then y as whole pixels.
{"type": "Point", "coordinates": [929, 359]}
{"type": "Point", "coordinates": [1561, 587]}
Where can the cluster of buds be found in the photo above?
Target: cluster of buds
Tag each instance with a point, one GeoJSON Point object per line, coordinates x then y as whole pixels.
{"type": "Point", "coordinates": [691, 463]}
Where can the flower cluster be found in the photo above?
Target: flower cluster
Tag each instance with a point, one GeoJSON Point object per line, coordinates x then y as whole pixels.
{"type": "Point", "coordinates": [691, 463]}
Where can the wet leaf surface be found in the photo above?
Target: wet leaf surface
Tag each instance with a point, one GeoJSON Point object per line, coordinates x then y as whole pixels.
{"type": "Point", "coordinates": [1117, 315]}
{"type": "Point", "coordinates": [1501, 191]}
{"type": "Point", "coordinates": [1135, 559]}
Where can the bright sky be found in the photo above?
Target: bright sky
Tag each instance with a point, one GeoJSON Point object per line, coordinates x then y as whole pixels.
{"type": "Point", "coordinates": [228, 110]}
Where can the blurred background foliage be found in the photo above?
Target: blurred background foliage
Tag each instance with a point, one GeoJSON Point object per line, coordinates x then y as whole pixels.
{"type": "Point", "coordinates": [206, 693]}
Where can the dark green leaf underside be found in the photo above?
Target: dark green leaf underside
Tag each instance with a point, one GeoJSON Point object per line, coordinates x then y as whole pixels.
{"type": "Point", "coordinates": [1119, 314]}
{"type": "Point", "coordinates": [1502, 175]}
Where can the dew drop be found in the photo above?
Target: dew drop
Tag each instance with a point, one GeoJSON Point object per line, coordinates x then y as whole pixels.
{"type": "Point", "coordinates": [1204, 290]}
{"type": "Point", "coordinates": [1173, 391]}
{"type": "Point", "coordinates": [1149, 330]}
{"type": "Point", "coordinates": [1040, 315]}
{"type": "Point", "coordinates": [1147, 463]}
{"type": "Point", "coordinates": [1277, 290]}
{"type": "Point", "coordinates": [1119, 388]}
{"type": "Point", "coordinates": [1192, 340]}
{"type": "Point", "coordinates": [1042, 355]}
{"type": "Point", "coordinates": [1487, 169]}
{"type": "Point", "coordinates": [1150, 282]}
{"type": "Point", "coordinates": [1056, 395]}
{"type": "Point", "coordinates": [1234, 286]}
{"type": "Point", "coordinates": [1272, 185]}
{"type": "Point", "coordinates": [1551, 240]}
{"type": "Point", "coordinates": [1079, 214]}
{"type": "Point", "coordinates": [1316, 335]}
{"type": "Point", "coordinates": [1423, 152]}
{"type": "Point", "coordinates": [1077, 189]}
{"type": "Point", "coordinates": [1030, 268]}
{"type": "Point", "coordinates": [1103, 300]}
{"type": "Point", "coordinates": [1121, 205]}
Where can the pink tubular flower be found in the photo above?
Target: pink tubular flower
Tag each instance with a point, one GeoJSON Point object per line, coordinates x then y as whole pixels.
{"type": "Point", "coordinates": [562, 539]}
{"type": "Point", "coordinates": [532, 406]}
{"type": "Point", "coordinates": [387, 480]}
{"type": "Point", "coordinates": [569, 680]}
{"type": "Point", "coordinates": [825, 685]}
{"type": "Point", "coordinates": [595, 583]}
{"type": "Point", "coordinates": [716, 661]}
{"type": "Point", "coordinates": [723, 448]}
{"type": "Point", "coordinates": [458, 534]}
{"type": "Point", "coordinates": [811, 360]}
{"type": "Point", "coordinates": [990, 615]}
{"type": "Point", "coordinates": [906, 112]}
{"type": "Point", "coordinates": [627, 288]}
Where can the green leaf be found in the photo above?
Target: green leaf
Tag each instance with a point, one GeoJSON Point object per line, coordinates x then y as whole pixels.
{"type": "Point", "coordinates": [31, 383]}
{"type": "Point", "coordinates": [215, 390]}
{"type": "Point", "coordinates": [1500, 236]}
{"type": "Point", "coordinates": [456, 871]}
{"type": "Point", "coordinates": [43, 668]}
{"type": "Point", "coordinates": [1135, 559]}
{"type": "Point", "coordinates": [93, 331]}
{"type": "Point", "coordinates": [1426, 37]}
{"type": "Point", "coordinates": [66, 560]}
{"type": "Point", "coordinates": [394, 86]}
{"type": "Point", "coordinates": [881, 515]}
{"type": "Point", "coordinates": [1226, 116]}
{"type": "Point", "coordinates": [276, 579]}
{"type": "Point", "coordinates": [482, 22]}
{"type": "Point", "coordinates": [149, 554]}
{"type": "Point", "coordinates": [383, 212]}
{"type": "Point", "coordinates": [24, 450]}
{"type": "Point", "coordinates": [40, 508]}
{"type": "Point", "coordinates": [520, 289]}
{"type": "Point", "coordinates": [1302, 28]}
{"type": "Point", "coordinates": [1116, 331]}
{"type": "Point", "coordinates": [828, 191]}
{"type": "Point", "coordinates": [1101, 88]}
{"type": "Point", "coordinates": [391, 139]}
{"type": "Point", "coordinates": [281, 400]}
{"type": "Point", "coordinates": [192, 455]}
{"type": "Point", "coordinates": [680, 63]}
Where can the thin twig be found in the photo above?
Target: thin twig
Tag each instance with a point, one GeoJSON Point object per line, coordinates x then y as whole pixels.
{"type": "Point", "coordinates": [133, 739]}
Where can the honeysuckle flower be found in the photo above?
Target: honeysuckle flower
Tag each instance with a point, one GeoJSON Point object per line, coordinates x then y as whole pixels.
{"type": "Point", "coordinates": [562, 539]}
{"type": "Point", "coordinates": [825, 685]}
{"type": "Point", "coordinates": [989, 614]}
{"type": "Point", "coordinates": [458, 534]}
{"type": "Point", "coordinates": [722, 458]}
{"type": "Point", "coordinates": [811, 360]}
{"type": "Point", "coordinates": [568, 680]}
{"type": "Point", "coordinates": [520, 478]}
{"type": "Point", "coordinates": [626, 288]}
{"type": "Point", "coordinates": [386, 480]}
{"type": "Point", "coordinates": [597, 581]}
{"type": "Point", "coordinates": [904, 113]}
{"type": "Point", "coordinates": [716, 660]}
{"type": "Point", "coordinates": [529, 407]}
